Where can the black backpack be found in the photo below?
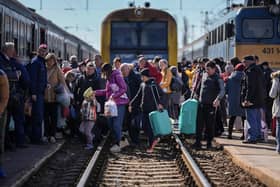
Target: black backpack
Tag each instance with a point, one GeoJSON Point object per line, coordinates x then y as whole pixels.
{"type": "Point", "coordinates": [176, 85]}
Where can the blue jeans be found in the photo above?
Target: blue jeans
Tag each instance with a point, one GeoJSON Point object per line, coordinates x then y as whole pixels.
{"type": "Point", "coordinates": [115, 123]}
{"type": "Point", "coordinates": [37, 118]}
{"type": "Point", "coordinates": [253, 117]}
{"type": "Point", "coordinates": [278, 134]}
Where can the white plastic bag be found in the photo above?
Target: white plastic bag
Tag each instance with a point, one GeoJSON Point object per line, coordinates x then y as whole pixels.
{"type": "Point", "coordinates": [246, 128]}
{"type": "Point", "coordinates": [110, 109]}
{"type": "Point", "coordinates": [264, 131]}
{"type": "Point", "coordinates": [238, 123]}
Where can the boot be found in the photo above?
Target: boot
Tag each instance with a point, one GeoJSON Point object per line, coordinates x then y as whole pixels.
{"type": "Point", "coordinates": [230, 128]}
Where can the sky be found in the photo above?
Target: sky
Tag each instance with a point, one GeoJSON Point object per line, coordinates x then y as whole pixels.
{"type": "Point", "coordinates": [86, 23]}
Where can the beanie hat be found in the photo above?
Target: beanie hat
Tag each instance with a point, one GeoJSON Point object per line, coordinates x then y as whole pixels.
{"type": "Point", "coordinates": [249, 58]}
{"type": "Point", "coordinates": [145, 72]}
{"type": "Point", "coordinates": [88, 93]}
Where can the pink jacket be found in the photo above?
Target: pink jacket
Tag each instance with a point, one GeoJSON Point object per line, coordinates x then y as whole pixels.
{"type": "Point", "coordinates": [115, 88]}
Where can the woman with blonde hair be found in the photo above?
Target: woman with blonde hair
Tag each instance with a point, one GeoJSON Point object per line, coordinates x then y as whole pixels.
{"type": "Point", "coordinates": [55, 81]}
{"type": "Point", "coordinates": [165, 82]}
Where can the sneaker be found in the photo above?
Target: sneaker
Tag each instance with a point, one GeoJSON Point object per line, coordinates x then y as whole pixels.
{"type": "Point", "coordinates": [115, 148]}
{"type": "Point", "coordinates": [45, 139]}
{"type": "Point", "coordinates": [59, 135]}
{"type": "Point", "coordinates": [52, 139]}
{"type": "Point", "coordinates": [89, 146]}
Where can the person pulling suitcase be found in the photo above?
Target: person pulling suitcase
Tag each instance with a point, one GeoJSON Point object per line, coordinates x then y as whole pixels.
{"type": "Point", "coordinates": [147, 90]}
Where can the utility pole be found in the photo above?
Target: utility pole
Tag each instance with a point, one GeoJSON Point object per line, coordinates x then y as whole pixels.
{"type": "Point", "coordinates": [87, 5]}
{"type": "Point", "coordinates": [181, 5]}
{"type": "Point", "coordinates": [41, 4]}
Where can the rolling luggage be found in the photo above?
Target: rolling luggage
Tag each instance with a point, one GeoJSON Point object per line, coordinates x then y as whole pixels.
{"type": "Point", "coordinates": [187, 118]}
{"type": "Point", "coordinates": [160, 123]}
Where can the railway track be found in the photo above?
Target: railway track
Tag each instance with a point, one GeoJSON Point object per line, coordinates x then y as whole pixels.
{"type": "Point", "coordinates": [169, 165]}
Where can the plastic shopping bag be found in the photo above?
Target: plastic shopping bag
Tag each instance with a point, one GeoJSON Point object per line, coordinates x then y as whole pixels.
{"type": "Point", "coordinates": [110, 108]}
{"type": "Point", "coordinates": [264, 131]}
{"type": "Point", "coordinates": [246, 128]}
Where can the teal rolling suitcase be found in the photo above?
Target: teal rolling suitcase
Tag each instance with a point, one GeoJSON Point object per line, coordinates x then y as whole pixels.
{"type": "Point", "coordinates": [187, 118]}
{"type": "Point", "coordinates": [160, 123]}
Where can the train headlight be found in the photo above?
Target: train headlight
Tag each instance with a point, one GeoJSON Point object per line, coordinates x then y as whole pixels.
{"type": "Point", "coordinates": [138, 12]}
{"type": "Point", "coordinates": [275, 10]}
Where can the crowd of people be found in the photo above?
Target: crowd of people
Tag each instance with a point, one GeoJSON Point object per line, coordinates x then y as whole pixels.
{"type": "Point", "coordinates": [48, 98]}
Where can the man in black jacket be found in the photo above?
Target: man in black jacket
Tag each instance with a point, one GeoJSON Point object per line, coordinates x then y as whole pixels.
{"type": "Point", "coordinates": [253, 97]}
{"type": "Point", "coordinates": [149, 90]}
{"type": "Point", "coordinates": [211, 92]}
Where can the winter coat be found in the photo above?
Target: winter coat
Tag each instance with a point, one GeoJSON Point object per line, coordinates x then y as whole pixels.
{"type": "Point", "coordinates": [55, 78]}
{"type": "Point", "coordinates": [233, 89]}
{"type": "Point", "coordinates": [4, 91]}
{"type": "Point", "coordinates": [166, 80]}
{"type": "Point", "coordinates": [38, 75]}
{"type": "Point", "coordinates": [115, 88]}
{"type": "Point", "coordinates": [212, 87]}
{"type": "Point", "coordinates": [154, 73]}
{"type": "Point", "coordinates": [18, 84]}
{"type": "Point", "coordinates": [145, 98]}
{"type": "Point", "coordinates": [133, 82]}
{"type": "Point", "coordinates": [275, 94]}
{"type": "Point", "coordinates": [253, 88]}
{"type": "Point", "coordinates": [83, 83]}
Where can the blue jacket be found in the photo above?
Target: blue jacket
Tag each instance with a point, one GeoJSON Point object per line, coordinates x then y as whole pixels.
{"type": "Point", "coordinates": [11, 67]}
{"type": "Point", "coordinates": [233, 90]}
{"type": "Point", "coordinates": [24, 80]}
{"type": "Point", "coordinates": [38, 75]}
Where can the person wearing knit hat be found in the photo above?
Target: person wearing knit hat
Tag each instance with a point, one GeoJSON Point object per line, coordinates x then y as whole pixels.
{"type": "Point", "coordinates": [88, 112]}
{"type": "Point", "coordinates": [148, 90]}
{"type": "Point", "coordinates": [253, 97]}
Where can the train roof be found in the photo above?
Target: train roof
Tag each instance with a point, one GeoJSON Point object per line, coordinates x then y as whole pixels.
{"type": "Point", "coordinates": [18, 7]}
{"type": "Point", "coordinates": [130, 12]}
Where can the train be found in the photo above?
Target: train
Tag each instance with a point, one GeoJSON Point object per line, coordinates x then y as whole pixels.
{"type": "Point", "coordinates": [244, 30]}
{"type": "Point", "coordinates": [28, 30]}
{"type": "Point", "coordinates": [129, 32]}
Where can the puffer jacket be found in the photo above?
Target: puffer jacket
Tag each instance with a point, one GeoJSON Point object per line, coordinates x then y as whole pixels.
{"type": "Point", "coordinates": [4, 91]}
{"type": "Point", "coordinates": [54, 78]}
{"type": "Point", "coordinates": [115, 88]}
{"type": "Point", "coordinates": [275, 94]}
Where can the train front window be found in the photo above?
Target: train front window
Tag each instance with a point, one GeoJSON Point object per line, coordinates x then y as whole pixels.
{"type": "Point", "coordinates": [154, 35]}
{"type": "Point", "coordinates": [124, 35]}
{"type": "Point", "coordinates": [257, 28]}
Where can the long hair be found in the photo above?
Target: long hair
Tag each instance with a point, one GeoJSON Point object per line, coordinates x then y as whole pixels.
{"type": "Point", "coordinates": [107, 70]}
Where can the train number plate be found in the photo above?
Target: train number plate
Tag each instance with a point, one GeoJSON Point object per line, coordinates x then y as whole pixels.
{"type": "Point", "coordinates": [271, 50]}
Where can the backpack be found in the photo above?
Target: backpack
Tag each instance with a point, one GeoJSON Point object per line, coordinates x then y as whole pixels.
{"type": "Point", "coordinates": [176, 85]}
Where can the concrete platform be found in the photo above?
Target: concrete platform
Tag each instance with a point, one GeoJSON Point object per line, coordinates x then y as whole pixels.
{"type": "Point", "coordinates": [22, 163]}
{"type": "Point", "coordinates": [260, 160]}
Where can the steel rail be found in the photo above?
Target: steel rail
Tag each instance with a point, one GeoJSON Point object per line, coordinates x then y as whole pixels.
{"type": "Point", "coordinates": [197, 174]}
{"type": "Point", "coordinates": [84, 179]}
